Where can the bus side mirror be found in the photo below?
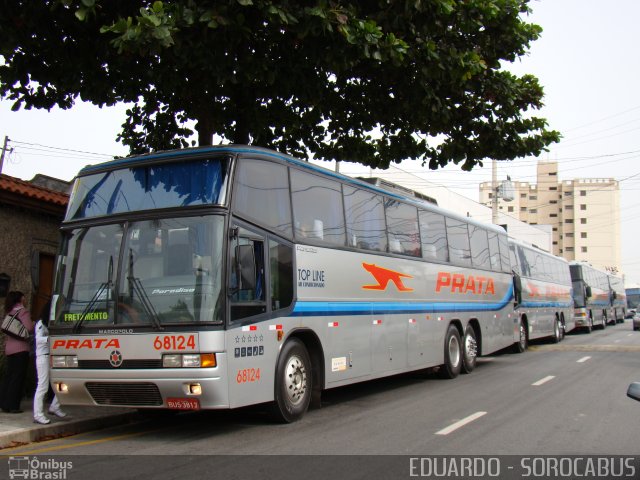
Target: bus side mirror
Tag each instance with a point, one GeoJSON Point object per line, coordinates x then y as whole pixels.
{"type": "Point", "coordinates": [588, 291]}
{"type": "Point", "coordinates": [614, 295]}
{"type": "Point", "coordinates": [634, 391]}
{"type": "Point", "coordinates": [517, 288]}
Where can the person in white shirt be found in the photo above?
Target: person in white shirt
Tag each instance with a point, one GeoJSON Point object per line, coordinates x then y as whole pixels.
{"type": "Point", "coordinates": [42, 367]}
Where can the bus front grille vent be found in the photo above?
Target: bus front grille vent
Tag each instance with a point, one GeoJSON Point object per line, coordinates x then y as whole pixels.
{"type": "Point", "coordinates": [125, 394]}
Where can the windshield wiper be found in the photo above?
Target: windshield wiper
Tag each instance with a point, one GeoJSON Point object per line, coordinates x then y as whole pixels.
{"type": "Point", "coordinates": [104, 287]}
{"type": "Point", "coordinates": [135, 285]}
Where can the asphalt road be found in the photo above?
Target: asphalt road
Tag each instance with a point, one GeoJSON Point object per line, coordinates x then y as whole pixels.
{"type": "Point", "coordinates": [564, 399]}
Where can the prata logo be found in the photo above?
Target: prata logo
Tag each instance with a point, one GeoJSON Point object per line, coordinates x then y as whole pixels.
{"type": "Point", "coordinates": [115, 358]}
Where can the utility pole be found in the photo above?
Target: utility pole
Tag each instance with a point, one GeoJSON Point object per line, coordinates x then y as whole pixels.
{"type": "Point", "coordinates": [494, 192]}
{"type": "Point", "coordinates": [4, 150]}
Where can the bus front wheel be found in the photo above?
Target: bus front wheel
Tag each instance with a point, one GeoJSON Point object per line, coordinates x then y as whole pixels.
{"type": "Point", "coordinates": [292, 383]}
{"type": "Point", "coordinates": [452, 354]}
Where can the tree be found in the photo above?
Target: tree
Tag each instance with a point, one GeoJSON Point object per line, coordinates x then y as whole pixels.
{"type": "Point", "coordinates": [374, 81]}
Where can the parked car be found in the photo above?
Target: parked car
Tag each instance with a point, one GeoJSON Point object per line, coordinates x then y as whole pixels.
{"type": "Point", "coordinates": [636, 321]}
{"type": "Point", "coordinates": [630, 313]}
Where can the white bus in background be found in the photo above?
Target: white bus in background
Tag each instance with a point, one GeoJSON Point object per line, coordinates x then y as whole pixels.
{"type": "Point", "coordinates": [221, 277]}
{"type": "Point", "coordinates": [591, 296]}
{"type": "Point", "coordinates": [543, 301]}
{"type": "Point", "coordinates": [618, 299]}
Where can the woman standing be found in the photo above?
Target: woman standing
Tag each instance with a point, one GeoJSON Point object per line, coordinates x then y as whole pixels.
{"type": "Point", "coordinates": [42, 367]}
{"type": "Point", "coordinates": [16, 356]}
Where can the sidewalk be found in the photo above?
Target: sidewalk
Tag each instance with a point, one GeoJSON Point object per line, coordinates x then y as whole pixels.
{"type": "Point", "coordinates": [19, 428]}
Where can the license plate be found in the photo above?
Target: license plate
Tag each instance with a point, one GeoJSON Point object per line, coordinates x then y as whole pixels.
{"type": "Point", "coordinates": [183, 403]}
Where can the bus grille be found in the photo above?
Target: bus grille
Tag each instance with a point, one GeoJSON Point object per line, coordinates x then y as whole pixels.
{"type": "Point", "coordinates": [125, 394]}
{"type": "Point", "coordinates": [126, 365]}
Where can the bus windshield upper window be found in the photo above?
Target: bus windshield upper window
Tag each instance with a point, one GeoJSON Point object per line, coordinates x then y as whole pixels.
{"type": "Point", "coordinates": [165, 185]}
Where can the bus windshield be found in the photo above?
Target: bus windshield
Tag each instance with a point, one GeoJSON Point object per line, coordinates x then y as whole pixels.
{"type": "Point", "coordinates": [150, 187]}
{"type": "Point", "coordinates": [148, 273]}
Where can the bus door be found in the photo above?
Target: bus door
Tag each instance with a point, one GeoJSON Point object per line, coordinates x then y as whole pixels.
{"type": "Point", "coordinates": [260, 273]}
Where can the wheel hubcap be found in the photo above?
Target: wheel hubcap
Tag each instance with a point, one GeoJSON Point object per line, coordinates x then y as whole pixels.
{"type": "Point", "coordinates": [471, 347]}
{"type": "Point", "coordinates": [295, 379]}
{"type": "Point", "coordinates": [454, 351]}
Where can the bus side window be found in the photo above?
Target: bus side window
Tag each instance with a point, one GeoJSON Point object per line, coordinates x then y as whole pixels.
{"type": "Point", "coordinates": [281, 272]}
{"type": "Point", "coordinates": [247, 277]}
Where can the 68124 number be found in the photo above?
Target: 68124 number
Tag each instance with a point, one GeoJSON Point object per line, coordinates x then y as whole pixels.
{"type": "Point", "coordinates": [175, 342]}
{"type": "Point", "coordinates": [248, 375]}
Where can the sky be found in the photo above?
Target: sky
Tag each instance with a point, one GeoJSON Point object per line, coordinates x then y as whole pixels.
{"type": "Point", "coordinates": [586, 60]}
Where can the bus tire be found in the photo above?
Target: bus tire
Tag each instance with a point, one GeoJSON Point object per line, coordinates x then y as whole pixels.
{"type": "Point", "coordinates": [557, 332]}
{"type": "Point", "coordinates": [293, 382]}
{"type": "Point", "coordinates": [521, 345]}
{"type": "Point", "coordinates": [452, 354]}
{"type": "Point", "coordinates": [589, 327]}
{"type": "Point", "coordinates": [469, 350]}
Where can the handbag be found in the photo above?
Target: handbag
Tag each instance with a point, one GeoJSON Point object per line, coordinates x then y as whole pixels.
{"type": "Point", "coordinates": [12, 326]}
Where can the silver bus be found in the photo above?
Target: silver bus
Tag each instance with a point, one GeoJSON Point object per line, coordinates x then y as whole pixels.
{"type": "Point", "coordinates": [618, 298]}
{"type": "Point", "coordinates": [220, 277]}
{"type": "Point", "coordinates": [591, 297]}
{"type": "Point", "coordinates": [543, 300]}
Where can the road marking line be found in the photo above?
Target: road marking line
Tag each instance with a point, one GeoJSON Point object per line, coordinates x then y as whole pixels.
{"type": "Point", "coordinates": [616, 341]}
{"type": "Point", "coordinates": [629, 334]}
{"type": "Point", "coordinates": [543, 380]}
{"type": "Point", "coordinates": [461, 423]}
{"type": "Point", "coordinates": [583, 359]}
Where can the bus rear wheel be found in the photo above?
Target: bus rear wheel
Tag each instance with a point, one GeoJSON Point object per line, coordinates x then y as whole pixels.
{"type": "Point", "coordinates": [557, 331]}
{"type": "Point", "coordinates": [452, 354]}
{"type": "Point", "coordinates": [292, 383]}
{"type": "Point", "coordinates": [521, 345]}
{"type": "Point", "coordinates": [469, 350]}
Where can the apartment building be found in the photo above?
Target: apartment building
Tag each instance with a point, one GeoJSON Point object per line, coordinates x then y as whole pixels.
{"type": "Point", "coordinates": [584, 214]}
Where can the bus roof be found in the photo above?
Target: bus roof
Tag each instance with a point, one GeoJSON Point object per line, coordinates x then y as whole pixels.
{"type": "Point", "coordinates": [242, 150]}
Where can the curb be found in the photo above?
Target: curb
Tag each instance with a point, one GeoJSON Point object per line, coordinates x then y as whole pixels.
{"type": "Point", "coordinates": [63, 428]}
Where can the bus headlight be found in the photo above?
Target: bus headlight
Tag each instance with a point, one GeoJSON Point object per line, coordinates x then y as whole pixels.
{"type": "Point", "coordinates": [189, 360]}
{"type": "Point", "coordinates": [64, 361]}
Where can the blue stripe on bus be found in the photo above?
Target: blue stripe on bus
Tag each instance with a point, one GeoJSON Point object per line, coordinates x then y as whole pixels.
{"type": "Point", "coordinates": [546, 304]}
{"type": "Point", "coordinates": [331, 309]}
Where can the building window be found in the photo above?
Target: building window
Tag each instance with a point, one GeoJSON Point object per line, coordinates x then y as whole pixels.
{"type": "Point", "coordinates": [569, 235]}
{"type": "Point", "coordinates": [568, 207]}
{"type": "Point", "coordinates": [553, 188]}
{"type": "Point", "coordinates": [553, 214]}
{"type": "Point", "coordinates": [533, 210]}
{"type": "Point", "coordinates": [583, 193]}
{"type": "Point", "coordinates": [555, 229]}
{"type": "Point", "coordinates": [568, 194]}
{"type": "Point", "coordinates": [555, 243]}
{"type": "Point", "coordinates": [569, 220]}
{"type": "Point", "coordinates": [553, 202]}
{"type": "Point", "coordinates": [533, 197]}
{"type": "Point", "coordinates": [490, 195]}
{"type": "Point", "coordinates": [553, 174]}
{"type": "Point", "coordinates": [510, 209]}
{"type": "Point", "coordinates": [523, 195]}
{"type": "Point", "coordinates": [523, 209]}
{"type": "Point", "coordinates": [583, 249]}
{"type": "Point", "coordinates": [583, 206]}
{"type": "Point", "coordinates": [569, 249]}
{"type": "Point", "coordinates": [583, 234]}
{"type": "Point", "coordinates": [583, 221]}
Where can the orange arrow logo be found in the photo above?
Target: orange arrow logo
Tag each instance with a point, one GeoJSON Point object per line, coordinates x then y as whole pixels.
{"type": "Point", "coordinates": [383, 276]}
